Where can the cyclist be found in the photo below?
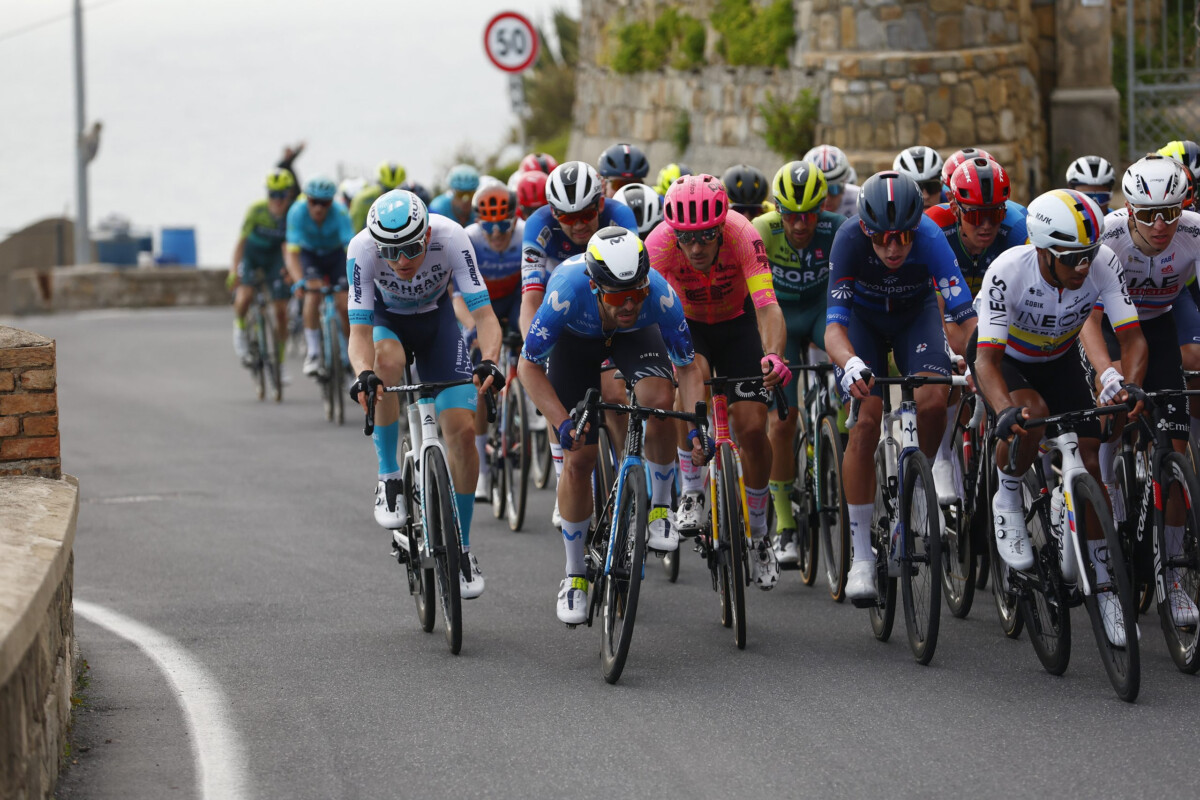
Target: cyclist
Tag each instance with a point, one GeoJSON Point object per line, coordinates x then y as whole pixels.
{"type": "Point", "coordinates": [645, 203]}
{"type": "Point", "coordinates": [923, 165]}
{"type": "Point", "coordinates": [798, 236]}
{"type": "Point", "coordinates": [1186, 152]}
{"type": "Point", "coordinates": [841, 195]}
{"type": "Point", "coordinates": [951, 163]}
{"type": "Point", "coordinates": [622, 165]}
{"type": "Point", "coordinates": [318, 231]}
{"type": "Point", "coordinates": [608, 303]}
{"type": "Point", "coordinates": [258, 258]}
{"type": "Point", "coordinates": [668, 175]}
{"type": "Point", "coordinates": [747, 190]}
{"type": "Point", "coordinates": [889, 264]}
{"type": "Point", "coordinates": [388, 176]}
{"type": "Point", "coordinates": [1034, 302]}
{"type": "Point", "coordinates": [715, 261]}
{"type": "Point", "coordinates": [1093, 176]}
{"type": "Point", "coordinates": [531, 193]}
{"type": "Point", "coordinates": [455, 202]}
{"type": "Point", "coordinates": [401, 268]}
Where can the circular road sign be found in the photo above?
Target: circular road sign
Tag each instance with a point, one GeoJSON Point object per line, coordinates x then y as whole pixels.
{"type": "Point", "coordinates": [511, 42]}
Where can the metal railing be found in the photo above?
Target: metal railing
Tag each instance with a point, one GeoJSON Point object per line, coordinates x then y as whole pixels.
{"type": "Point", "coordinates": [1162, 56]}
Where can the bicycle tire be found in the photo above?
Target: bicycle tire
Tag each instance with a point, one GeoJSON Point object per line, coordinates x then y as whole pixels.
{"type": "Point", "coordinates": [670, 561]}
{"type": "Point", "coordinates": [1122, 664]}
{"type": "Point", "coordinates": [540, 464]}
{"type": "Point", "coordinates": [958, 552]}
{"type": "Point", "coordinates": [1045, 607]}
{"type": "Point", "coordinates": [1183, 642]}
{"type": "Point", "coordinates": [515, 455]}
{"type": "Point", "coordinates": [604, 475]}
{"type": "Point", "coordinates": [731, 539]}
{"type": "Point", "coordinates": [804, 505]}
{"type": "Point", "coordinates": [883, 615]}
{"type": "Point", "coordinates": [921, 564]}
{"type": "Point", "coordinates": [494, 454]}
{"type": "Point", "coordinates": [1003, 595]}
{"type": "Point", "coordinates": [271, 363]}
{"type": "Point", "coordinates": [831, 509]}
{"type": "Point", "coordinates": [337, 371]}
{"type": "Point", "coordinates": [623, 582]}
{"type": "Point", "coordinates": [1130, 489]}
{"type": "Point", "coordinates": [254, 341]}
{"type": "Point", "coordinates": [442, 529]}
{"type": "Point", "coordinates": [324, 373]}
{"type": "Point", "coordinates": [423, 580]}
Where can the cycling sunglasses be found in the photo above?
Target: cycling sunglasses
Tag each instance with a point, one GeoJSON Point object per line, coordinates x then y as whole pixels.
{"type": "Point", "coordinates": [392, 252]}
{"type": "Point", "coordinates": [578, 217]}
{"type": "Point", "coordinates": [492, 228]}
{"type": "Point", "coordinates": [834, 189]}
{"type": "Point", "coordinates": [931, 187]}
{"type": "Point", "coordinates": [1102, 198]}
{"type": "Point", "coordinates": [704, 236]}
{"type": "Point", "coordinates": [312, 201]}
{"type": "Point", "coordinates": [278, 195]}
{"type": "Point", "coordinates": [620, 183]}
{"type": "Point", "coordinates": [993, 215]}
{"type": "Point", "coordinates": [618, 298]}
{"type": "Point", "coordinates": [806, 217]}
{"type": "Point", "coordinates": [1147, 216]}
{"type": "Point", "coordinates": [1074, 259]}
{"type": "Point", "coordinates": [882, 239]}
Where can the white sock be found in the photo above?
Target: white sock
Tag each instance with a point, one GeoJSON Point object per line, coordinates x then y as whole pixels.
{"type": "Point", "coordinates": [556, 457]}
{"type": "Point", "coordinates": [756, 504]}
{"type": "Point", "coordinates": [1107, 449]}
{"type": "Point", "coordinates": [1098, 552]}
{"type": "Point", "coordinates": [662, 480]}
{"type": "Point", "coordinates": [1008, 493]}
{"type": "Point", "coordinates": [945, 448]}
{"type": "Point", "coordinates": [573, 533]}
{"type": "Point", "coordinates": [313, 337]}
{"type": "Point", "coordinates": [481, 448]}
{"type": "Point", "coordinates": [691, 474]}
{"type": "Point", "coordinates": [860, 530]}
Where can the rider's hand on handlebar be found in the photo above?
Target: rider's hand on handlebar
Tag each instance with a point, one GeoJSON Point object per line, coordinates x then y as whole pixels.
{"type": "Point", "coordinates": [367, 382]}
{"type": "Point", "coordinates": [857, 378]}
{"type": "Point", "coordinates": [1008, 422]}
{"type": "Point", "coordinates": [775, 372]}
{"type": "Point", "coordinates": [1133, 396]}
{"type": "Point", "coordinates": [568, 437]}
{"type": "Point", "coordinates": [703, 447]}
{"type": "Point", "coordinates": [488, 376]}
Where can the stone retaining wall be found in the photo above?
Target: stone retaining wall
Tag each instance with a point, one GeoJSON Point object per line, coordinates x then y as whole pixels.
{"type": "Point", "coordinates": [99, 286]}
{"type": "Point", "coordinates": [28, 405]}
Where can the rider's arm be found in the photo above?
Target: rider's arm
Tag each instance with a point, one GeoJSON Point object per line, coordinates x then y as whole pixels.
{"type": "Point", "coordinates": [534, 272]}
{"type": "Point", "coordinates": [291, 260]}
{"type": "Point", "coordinates": [1091, 335]}
{"type": "Point", "coordinates": [295, 238]}
{"type": "Point", "coordinates": [489, 332]}
{"type": "Point", "coordinates": [1114, 297]}
{"type": "Point", "coordinates": [544, 330]}
{"type": "Point", "coordinates": [361, 348]}
{"type": "Point", "coordinates": [238, 252]}
{"type": "Point", "coordinates": [993, 340]}
{"type": "Point", "coordinates": [840, 296]}
{"type": "Point", "coordinates": [990, 380]}
{"type": "Point", "coordinates": [461, 313]}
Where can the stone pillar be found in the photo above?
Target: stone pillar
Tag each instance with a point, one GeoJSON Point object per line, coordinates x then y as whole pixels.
{"type": "Point", "coordinates": [28, 405]}
{"type": "Point", "coordinates": [1085, 108]}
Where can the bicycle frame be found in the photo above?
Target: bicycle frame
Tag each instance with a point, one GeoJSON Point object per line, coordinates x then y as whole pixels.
{"type": "Point", "coordinates": [330, 316]}
{"type": "Point", "coordinates": [721, 435]}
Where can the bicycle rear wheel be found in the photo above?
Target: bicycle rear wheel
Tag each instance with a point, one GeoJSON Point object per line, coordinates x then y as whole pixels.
{"type": "Point", "coordinates": [497, 489]}
{"type": "Point", "coordinates": [1043, 605]}
{"type": "Point", "coordinates": [516, 454]}
{"type": "Point", "coordinates": [1178, 562]}
{"type": "Point", "coordinates": [442, 530]}
{"type": "Point", "coordinates": [624, 580]}
{"type": "Point", "coordinates": [271, 365]}
{"type": "Point", "coordinates": [325, 372]}
{"type": "Point", "coordinates": [731, 539]}
{"type": "Point", "coordinates": [831, 507]}
{"type": "Point", "coordinates": [883, 614]}
{"type": "Point", "coordinates": [804, 507]}
{"type": "Point", "coordinates": [1122, 664]}
{"type": "Point", "coordinates": [604, 475]}
{"type": "Point", "coordinates": [958, 556]}
{"type": "Point", "coordinates": [540, 460]}
{"type": "Point", "coordinates": [921, 562]}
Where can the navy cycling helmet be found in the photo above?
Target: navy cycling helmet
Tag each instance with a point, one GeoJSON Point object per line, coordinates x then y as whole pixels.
{"type": "Point", "coordinates": [623, 161]}
{"type": "Point", "coordinates": [320, 188]}
{"type": "Point", "coordinates": [890, 201]}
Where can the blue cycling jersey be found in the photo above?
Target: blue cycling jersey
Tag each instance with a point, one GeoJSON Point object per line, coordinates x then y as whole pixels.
{"type": "Point", "coordinates": [441, 205]}
{"type": "Point", "coordinates": [545, 245]}
{"type": "Point", "coordinates": [1012, 233]}
{"type": "Point", "coordinates": [501, 270]}
{"type": "Point", "coordinates": [570, 305]}
{"type": "Point", "coordinates": [858, 278]}
{"type": "Point", "coordinates": [303, 233]}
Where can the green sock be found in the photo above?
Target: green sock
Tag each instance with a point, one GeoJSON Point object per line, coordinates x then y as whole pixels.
{"type": "Point", "coordinates": [843, 415]}
{"type": "Point", "coordinates": [239, 323]}
{"type": "Point", "coordinates": [781, 496]}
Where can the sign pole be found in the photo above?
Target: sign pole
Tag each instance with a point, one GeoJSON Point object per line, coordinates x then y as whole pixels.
{"type": "Point", "coordinates": [83, 244]}
{"type": "Point", "coordinates": [511, 42]}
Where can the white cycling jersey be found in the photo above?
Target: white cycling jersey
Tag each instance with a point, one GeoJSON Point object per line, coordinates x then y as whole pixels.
{"type": "Point", "coordinates": [849, 206]}
{"type": "Point", "coordinates": [1035, 322]}
{"type": "Point", "coordinates": [1154, 282]}
{"type": "Point", "coordinates": [449, 256]}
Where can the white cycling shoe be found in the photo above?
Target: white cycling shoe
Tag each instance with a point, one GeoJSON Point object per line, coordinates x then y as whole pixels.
{"type": "Point", "coordinates": [661, 534]}
{"type": "Point", "coordinates": [943, 482]}
{"type": "Point", "coordinates": [312, 364]}
{"type": "Point", "coordinates": [573, 601]}
{"type": "Point", "coordinates": [390, 512]}
{"type": "Point", "coordinates": [689, 517]}
{"type": "Point", "coordinates": [1183, 609]}
{"type": "Point", "coordinates": [537, 422]}
{"type": "Point", "coordinates": [764, 567]}
{"type": "Point", "coordinates": [470, 578]}
{"type": "Point", "coordinates": [483, 488]}
{"type": "Point", "coordinates": [1114, 619]}
{"type": "Point", "coordinates": [241, 344]}
{"type": "Point", "coordinates": [860, 581]}
{"type": "Point", "coordinates": [786, 549]}
{"type": "Point", "coordinates": [1012, 539]}
{"type": "Point", "coordinates": [556, 517]}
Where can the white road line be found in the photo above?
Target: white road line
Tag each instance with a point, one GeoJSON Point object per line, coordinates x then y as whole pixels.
{"type": "Point", "coordinates": [220, 767]}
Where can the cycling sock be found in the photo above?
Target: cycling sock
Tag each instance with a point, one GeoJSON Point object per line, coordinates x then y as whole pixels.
{"type": "Point", "coordinates": [1106, 462]}
{"type": "Point", "coordinates": [860, 530]}
{"type": "Point", "coordinates": [944, 449]}
{"type": "Point", "coordinates": [239, 323]}
{"type": "Point", "coordinates": [466, 510]}
{"type": "Point", "coordinates": [692, 475]}
{"type": "Point", "coordinates": [386, 437]}
{"type": "Point", "coordinates": [756, 504]}
{"type": "Point", "coordinates": [1098, 552]}
{"type": "Point", "coordinates": [662, 480]}
{"type": "Point", "coordinates": [573, 533]}
{"type": "Point", "coordinates": [556, 457]}
{"type": "Point", "coordinates": [781, 494]}
{"type": "Point", "coordinates": [313, 337]}
{"type": "Point", "coordinates": [1008, 493]}
{"type": "Point", "coordinates": [481, 448]}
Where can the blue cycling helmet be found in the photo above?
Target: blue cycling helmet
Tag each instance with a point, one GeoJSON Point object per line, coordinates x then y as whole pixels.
{"type": "Point", "coordinates": [397, 217]}
{"type": "Point", "coordinates": [320, 188]}
{"type": "Point", "coordinates": [463, 178]}
{"type": "Point", "coordinates": [890, 201]}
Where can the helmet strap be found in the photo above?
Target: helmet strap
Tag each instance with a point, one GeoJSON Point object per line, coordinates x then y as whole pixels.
{"type": "Point", "coordinates": [1054, 281]}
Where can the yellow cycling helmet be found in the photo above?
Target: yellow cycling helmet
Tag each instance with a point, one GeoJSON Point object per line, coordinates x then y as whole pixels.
{"type": "Point", "coordinates": [668, 175]}
{"type": "Point", "coordinates": [799, 186]}
{"type": "Point", "coordinates": [391, 174]}
{"type": "Point", "coordinates": [280, 180]}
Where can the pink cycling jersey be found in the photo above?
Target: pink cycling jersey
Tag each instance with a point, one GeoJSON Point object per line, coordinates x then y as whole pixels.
{"type": "Point", "coordinates": [719, 294]}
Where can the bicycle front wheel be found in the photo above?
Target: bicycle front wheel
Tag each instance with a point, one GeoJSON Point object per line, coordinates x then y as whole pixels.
{"type": "Point", "coordinates": [540, 461]}
{"type": "Point", "coordinates": [921, 562]}
{"type": "Point", "coordinates": [1044, 606]}
{"type": "Point", "coordinates": [516, 454]}
{"type": "Point", "coordinates": [624, 579]}
{"type": "Point", "coordinates": [604, 475]}
{"type": "Point", "coordinates": [804, 506]}
{"type": "Point", "coordinates": [270, 357]}
{"type": "Point", "coordinates": [731, 541]}
{"type": "Point", "coordinates": [1178, 563]}
{"type": "Point", "coordinates": [958, 557]}
{"type": "Point", "coordinates": [831, 508]}
{"type": "Point", "coordinates": [258, 370]}
{"type": "Point", "coordinates": [442, 530]}
{"type": "Point", "coordinates": [1003, 591]}
{"type": "Point", "coordinates": [422, 585]}
{"type": "Point", "coordinates": [882, 614]}
{"type": "Point", "coordinates": [337, 371]}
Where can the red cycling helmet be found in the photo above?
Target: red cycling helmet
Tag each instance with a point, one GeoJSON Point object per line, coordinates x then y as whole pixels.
{"type": "Point", "coordinates": [980, 182]}
{"type": "Point", "coordinates": [538, 162]}
{"type": "Point", "coordinates": [531, 193]}
{"type": "Point", "coordinates": [965, 154]}
{"type": "Point", "coordinates": [695, 202]}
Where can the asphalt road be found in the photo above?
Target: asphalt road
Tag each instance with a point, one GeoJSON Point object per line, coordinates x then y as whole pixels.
{"type": "Point", "coordinates": [244, 532]}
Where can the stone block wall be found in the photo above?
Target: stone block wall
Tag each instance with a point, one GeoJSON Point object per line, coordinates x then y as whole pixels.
{"type": "Point", "coordinates": [29, 442]}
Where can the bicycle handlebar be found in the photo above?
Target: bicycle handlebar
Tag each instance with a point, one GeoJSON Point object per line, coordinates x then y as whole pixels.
{"type": "Point", "coordinates": [426, 390]}
{"type": "Point", "coordinates": [592, 403]}
{"type": "Point", "coordinates": [907, 381]}
{"type": "Point", "coordinates": [781, 404]}
{"type": "Point", "coordinates": [1068, 419]}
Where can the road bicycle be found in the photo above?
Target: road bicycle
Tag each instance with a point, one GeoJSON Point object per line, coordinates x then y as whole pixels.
{"type": "Point", "coordinates": [615, 549]}
{"type": "Point", "coordinates": [430, 543]}
{"type": "Point", "coordinates": [332, 372]}
{"type": "Point", "coordinates": [508, 447]}
{"type": "Point", "coordinates": [964, 549]}
{"type": "Point", "coordinates": [265, 352]}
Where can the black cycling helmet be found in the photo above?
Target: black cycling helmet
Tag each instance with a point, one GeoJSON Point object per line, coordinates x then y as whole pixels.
{"type": "Point", "coordinates": [417, 189]}
{"type": "Point", "coordinates": [616, 258]}
{"type": "Point", "coordinates": [623, 161]}
{"type": "Point", "coordinates": [745, 185]}
{"type": "Point", "coordinates": [890, 201]}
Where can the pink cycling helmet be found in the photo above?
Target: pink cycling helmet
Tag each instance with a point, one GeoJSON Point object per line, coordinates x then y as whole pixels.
{"type": "Point", "coordinates": [695, 202]}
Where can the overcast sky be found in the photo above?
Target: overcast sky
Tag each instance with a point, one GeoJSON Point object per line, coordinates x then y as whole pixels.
{"type": "Point", "coordinates": [198, 97]}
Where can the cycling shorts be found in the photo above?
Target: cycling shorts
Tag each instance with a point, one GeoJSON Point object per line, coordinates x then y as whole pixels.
{"type": "Point", "coordinates": [255, 274]}
{"type": "Point", "coordinates": [916, 339]}
{"type": "Point", "coordinates": [1187, 319]}
{"type": "Point", "coordinates": [328, 267]}
{"type": "Point", "coordinates": [805, 326]}
{"type": "Point", "coordinates": [575, 363]}
{"type": "Point", "coordinates": [1164, 368]}
{"type": "Point", "coordinates": [733, 350]}
{"type": "Point", "coordinates": [434, 345]}
{"type": "Point", "coordinates": [508, 311]}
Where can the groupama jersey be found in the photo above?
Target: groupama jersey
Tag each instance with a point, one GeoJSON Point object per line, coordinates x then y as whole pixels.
{"type": "Point", "coordinates": [1154, 282]}
{"type": "Point", "coordinates": [800, 277]}
{"type": "Point", "coordinates": [501, 270]}
{"type": "Point", "coordinates": [303, 233]}
{"type": "Point", "coordinates": [1012, 232]}
{"type": "Point", "coordinates": [569, 305]}
{"type": "Point", "coordinates": [545, 245]}
{"type": "Point", "coordinates": [373, 284]}
{"type": "Point", "coordinates": [719, 294]}
{"type": "Point", "coordinates": [858, 278]}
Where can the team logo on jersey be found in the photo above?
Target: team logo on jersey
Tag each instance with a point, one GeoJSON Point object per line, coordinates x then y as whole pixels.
{"type": "Point", "coordinates": [554, 302]}
{"type": "Point", "coordinates": [544, 237]}
{"type": "Point", "coordinates": [667, 301]}
{"type": "Point", "coordinates": [542, 333]}
{"type": "Point", "coordinates": [841, 292]}
{"type": "Point", "coordinates": [922, 347]}
{"type": "Point", "coordinates": [949, 287]}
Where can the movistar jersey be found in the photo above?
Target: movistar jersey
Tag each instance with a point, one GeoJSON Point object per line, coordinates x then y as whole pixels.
{"type": "Point", "coordinates": [303, 233]}
{"type": "Point", "coordinates": [1012, 233]}
{"type": "Point", "coordinates": [801, 277]}
{"type": "Point", "coordinates": [264, 235]}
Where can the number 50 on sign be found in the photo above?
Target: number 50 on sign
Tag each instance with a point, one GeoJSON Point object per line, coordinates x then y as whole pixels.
{"type": "Point", "coordinates": [511, 42]}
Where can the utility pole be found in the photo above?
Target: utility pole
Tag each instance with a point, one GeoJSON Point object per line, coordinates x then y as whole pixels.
{"type": "Point", "coordinates": [83, 245]}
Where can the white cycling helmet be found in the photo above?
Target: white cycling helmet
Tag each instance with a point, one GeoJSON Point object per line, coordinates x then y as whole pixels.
{"type": "Point", "coordinates": [514, 179]}
{"type": "Point", "coordinates": [645, 203]}
{"type": "Point", "coordinates": [1155, 181]}
{"type": "Point", "coordinates": [832, 161]}
{"type": "Point", "coordinates": [1064, 219]}
{"type": "Point", "coordinates": [397, 217]}
{"type": "Point", "coordinates": [350, 187]}
{"type": "Point", "coordinates": [573, 186]}
{"type": "Point", "coordinates": [616, 258]}
{"type": "Point", "coordinates": [1090, 171]}
{"type": "Point", "coordinates": [489, 180]}
{"type": "Point", "coordinates": [920, 163]}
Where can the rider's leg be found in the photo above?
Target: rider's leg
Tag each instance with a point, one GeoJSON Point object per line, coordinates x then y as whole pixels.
{"type": "Point", "coordinates": [749, 422]}
{"type": "Point", "coordinates": [389, 367]}
{"type": "Point", "coordinates": [312, 317]}
{"type": "Point", "coordinates": [858, 475]}
{"type": "Point", "coordinates": [660, 451]}
{"type": "Point", "coordinates": [458, 431]}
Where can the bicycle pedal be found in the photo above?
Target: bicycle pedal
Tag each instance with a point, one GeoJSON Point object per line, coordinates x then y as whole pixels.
{"type": "Point", "coordinates": [863, 602]}
{"type": "Point", "coordinates": [788, 567]}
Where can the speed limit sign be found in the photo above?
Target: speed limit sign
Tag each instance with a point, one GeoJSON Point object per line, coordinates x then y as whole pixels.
{"type": "Point", "coordinates": [511, 42]}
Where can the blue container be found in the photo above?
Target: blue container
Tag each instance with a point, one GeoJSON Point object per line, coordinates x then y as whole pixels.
{"type": "Point", "coordinates": [178, 246]}
{"type": "Point", "coordinates": [119, 250]}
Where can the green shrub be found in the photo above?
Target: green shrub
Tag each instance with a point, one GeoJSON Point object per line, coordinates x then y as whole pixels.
{"type": "Point", "coordinates": [791, 126]}
{"type": "Point", "coordinates": [752, 35]}
{"type": "Point", "coordinates": [681, 132]}
{"type": "Point", "coordinates": [674, 38]}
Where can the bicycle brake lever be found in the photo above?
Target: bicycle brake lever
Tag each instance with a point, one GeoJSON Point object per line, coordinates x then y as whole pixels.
{"type": "Point", "coordinates": [490, 399]}
{"type": "Point", "coordinates": [369, 424]}
{"type": "Point", "coordinates": [781, 405]}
